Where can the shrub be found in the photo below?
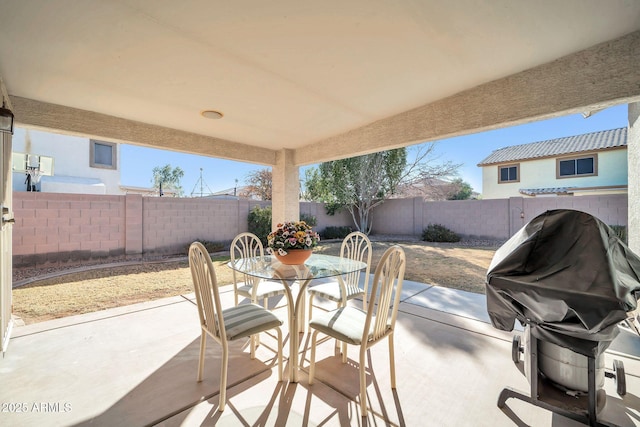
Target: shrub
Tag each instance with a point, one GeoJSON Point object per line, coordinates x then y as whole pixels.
{"type": "Point", "coordinates": [210, 246]}
{"type": "Point", "coordinates": [334, 232]}
{"type": "Point", "coordinates": [260, 222]}
{"type": "Point", "coordinates": [439, 233]}
{"type": "Point", "coordinates": [309, 219]}
{"type": "Point", "coordinates": [621, 232]}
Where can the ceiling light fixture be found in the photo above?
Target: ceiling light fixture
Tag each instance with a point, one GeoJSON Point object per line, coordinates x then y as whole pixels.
{"type": "Point", "coordinates": [211, 114]}
{"type": "Point", "coordinates": [6, 119]}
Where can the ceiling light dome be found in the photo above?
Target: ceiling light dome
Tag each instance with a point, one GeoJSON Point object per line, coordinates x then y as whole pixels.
{"type": "Point", "coordinates": [211, 114]}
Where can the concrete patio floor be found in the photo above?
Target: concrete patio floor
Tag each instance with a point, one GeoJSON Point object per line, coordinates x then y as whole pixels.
{"type": "Point", "coordinates": [136, 366]}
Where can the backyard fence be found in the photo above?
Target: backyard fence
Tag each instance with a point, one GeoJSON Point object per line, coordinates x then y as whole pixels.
{"type": "Point", "coordinates": [54, 228]}
{"type": "Point", "coordinates": [495, 219]}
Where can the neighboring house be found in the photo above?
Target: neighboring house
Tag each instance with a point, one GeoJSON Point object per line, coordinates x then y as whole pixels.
{"type": "Point", "coordinates": [148, 191]}
{"type": "Point", "coordinates": [430, 189]}
{"type": "Point", "coordinates": [593, 163]}
{"type": "Point", "coordinates": [234, 193]}
{"type": "Point", "coordinates": [67, 164]}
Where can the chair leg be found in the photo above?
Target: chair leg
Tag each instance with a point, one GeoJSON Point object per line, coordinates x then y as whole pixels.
{"type": "Point", "coordinates": [312, 366]}
{"type": "Point", "coordinates": [203, 344]}
{"type": "Point", "coordinates": [223, 376]}
{"type": "Point", "coordinates": [279, 353]}
{"type": "Point", "coordinates": [363, 381]}
{"type": "Point", "coordinates": [252, 345]}
{"type": "Point", "coordinates": [342, 348]}
{"type": "Point", "coordinates": [392, 362]}
{"type": "Point", "coordinates": [255, 339]}
{"type": "Point", "coordinates": [310, 313]}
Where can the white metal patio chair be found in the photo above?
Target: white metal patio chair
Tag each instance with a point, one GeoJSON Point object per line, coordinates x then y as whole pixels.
{"type": "Point", "coordinates": [355, 246]}
{"type": "Point", "coordinates": [248, 245]}
{"type": "Point", "coordinates": [229, 324]}
{"type": "Point", "coordinates": [366, 328]}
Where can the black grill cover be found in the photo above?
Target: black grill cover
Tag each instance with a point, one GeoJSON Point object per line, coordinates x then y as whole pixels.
{"type": "Point", "coordinates": [566, 275]}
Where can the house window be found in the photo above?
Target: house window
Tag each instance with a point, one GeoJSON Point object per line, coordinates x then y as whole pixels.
{"type": "Point", "coordinates": [509, 173]}
{"type": "Point", "coordinates": [103, 155]}
{"type": "Point", "coordinates": [577, 166]}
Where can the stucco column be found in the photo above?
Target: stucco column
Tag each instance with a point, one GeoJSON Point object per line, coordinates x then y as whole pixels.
{"type": "Point", "coordinates": [633, 162]}
{"type": "Point", "coordinates": [285, 201]}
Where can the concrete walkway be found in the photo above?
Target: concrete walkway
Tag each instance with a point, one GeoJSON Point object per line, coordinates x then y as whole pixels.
{"type": "Point", "coordinates": [136, 366]}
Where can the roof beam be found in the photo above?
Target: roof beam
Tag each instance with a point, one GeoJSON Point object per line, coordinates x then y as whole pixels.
{"type": "Point", "coordinates": [601, 76]}
{"type": "Point", "coordinates": [57, 118]}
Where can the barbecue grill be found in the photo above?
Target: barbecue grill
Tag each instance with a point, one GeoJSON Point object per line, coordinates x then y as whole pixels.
{"type": "Point", "coordinates": [568, 279]}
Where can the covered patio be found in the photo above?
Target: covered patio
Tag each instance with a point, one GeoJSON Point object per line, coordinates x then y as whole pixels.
{"type": "Point", "coordinates": [137, 365]}
{"type": "Point", "coordinates": [296, 84]}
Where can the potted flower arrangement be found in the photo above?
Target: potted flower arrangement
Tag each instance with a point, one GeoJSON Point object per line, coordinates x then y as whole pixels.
{"type": "Point", "coordinates": [292, 242]}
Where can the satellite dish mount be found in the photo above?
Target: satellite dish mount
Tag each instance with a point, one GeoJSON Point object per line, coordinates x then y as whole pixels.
{"type": "Point", "coordinates": [33, 166]}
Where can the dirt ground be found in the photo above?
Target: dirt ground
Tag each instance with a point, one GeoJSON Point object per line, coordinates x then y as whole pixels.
{"type": "Point", "coordinates": [441, 264]}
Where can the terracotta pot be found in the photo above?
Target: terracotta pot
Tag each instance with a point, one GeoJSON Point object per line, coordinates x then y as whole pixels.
{"type": "Point", "coordinates": [294, 256]}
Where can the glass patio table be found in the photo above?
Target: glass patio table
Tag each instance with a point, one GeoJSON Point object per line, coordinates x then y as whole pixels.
{"type": "Point", "coordinates": [317, 266]}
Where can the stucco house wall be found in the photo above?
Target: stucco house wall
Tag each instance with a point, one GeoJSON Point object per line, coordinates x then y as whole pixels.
{"type": "Point", "coordinates": [541, 173]}
{"type": "Point", "coordinates": [593, 163]}
{"type": "Point", "coordinates": [72, 170]}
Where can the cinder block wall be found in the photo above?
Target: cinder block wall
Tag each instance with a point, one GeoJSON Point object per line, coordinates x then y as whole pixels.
{"type": "Point", "coordinates": [475, 218]}
{"type": "Point", "coordinates": [170, 224]}
{"type": "Point", "coordinates": [340, 219]}
{"type": "Point", "coordinates": [71, 228]}
{"type": "Point", "coordinates": [55, 228]}
{"type": "Point", "coordinates": [398, 216]}
{"type": "Point", "coordinates": [611, 209]}
{"type": "Point", "coordinates": [496, 219]}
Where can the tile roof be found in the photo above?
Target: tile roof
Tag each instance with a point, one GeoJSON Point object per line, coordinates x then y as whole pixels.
{"type": "Point", "coordinates": [539, 191]}
{"type": "Point", "coordinates": [572, 144]}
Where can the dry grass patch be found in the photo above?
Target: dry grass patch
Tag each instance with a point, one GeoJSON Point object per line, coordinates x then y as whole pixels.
{"type": "Point", "coordinates": [441, 264]}
{"type": "Point", "coordinates": [95, 290]}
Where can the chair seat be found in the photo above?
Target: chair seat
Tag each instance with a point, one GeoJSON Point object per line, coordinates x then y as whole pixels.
{"type": "Point", "coordinates": [248, 319]}
{"type": "Point", "coordinates": [266, 289]}
{"type": "Point", "coordinates": [345, 324]}
{"type": "Point", "coordinates": [332, 291]}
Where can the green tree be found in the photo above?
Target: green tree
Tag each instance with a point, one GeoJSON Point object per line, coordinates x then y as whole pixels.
{"type": "Point", "coordinates": [169, 178]}
{"type": "Point", "coordinates": [462, 190]}
{"type": "Point", "coordinates": [359, 184]}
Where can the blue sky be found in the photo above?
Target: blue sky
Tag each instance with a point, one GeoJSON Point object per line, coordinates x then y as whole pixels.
{"type": "Point", "coordinates": [137, 162]}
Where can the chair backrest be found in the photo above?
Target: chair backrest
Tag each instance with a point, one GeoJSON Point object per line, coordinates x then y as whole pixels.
{"type": "Point", "coordinates": [357, 246]}
{"type": "Point", "coordinates": [246, 245]}
{"type": "Point", "coordinates": [384, 297]}
{"type": "Point", "coordinates": [205, 285]}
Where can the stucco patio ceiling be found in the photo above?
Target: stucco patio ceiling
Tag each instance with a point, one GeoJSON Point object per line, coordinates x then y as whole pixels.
{"type": "Point", "coordinates": [324, 79]}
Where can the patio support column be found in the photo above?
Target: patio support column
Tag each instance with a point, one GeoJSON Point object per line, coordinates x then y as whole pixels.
{"type": "Point", "coordinates": [633, 163]}
{"type": "Point", "coordinates": [285, 203]}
